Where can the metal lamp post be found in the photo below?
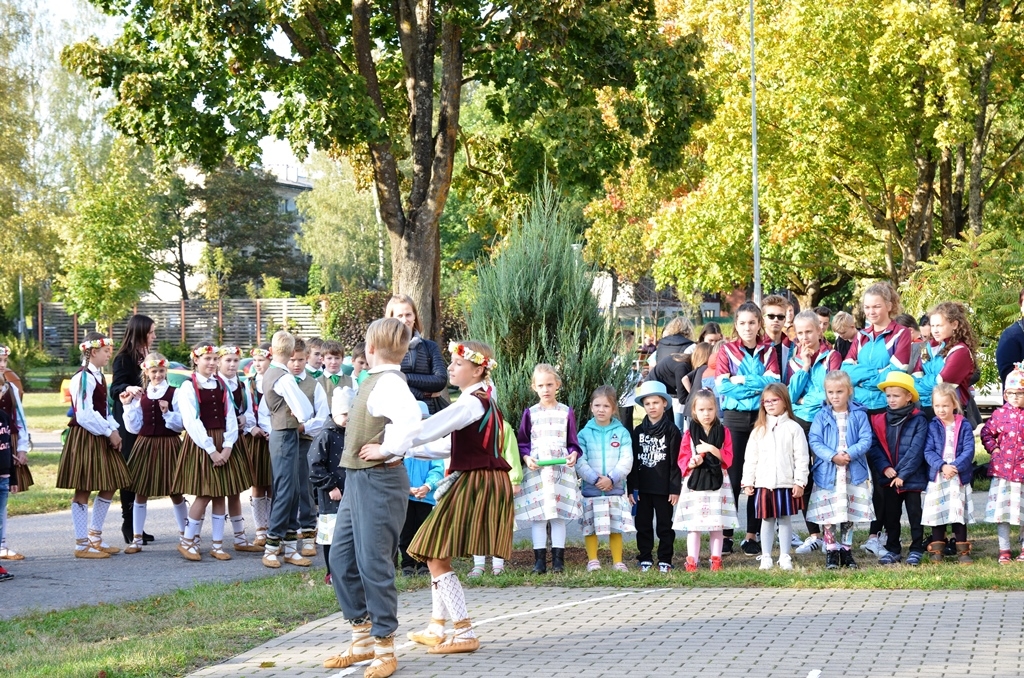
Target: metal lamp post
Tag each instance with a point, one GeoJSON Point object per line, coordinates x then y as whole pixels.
{"type": "Point", "coordinates": [753, 138]}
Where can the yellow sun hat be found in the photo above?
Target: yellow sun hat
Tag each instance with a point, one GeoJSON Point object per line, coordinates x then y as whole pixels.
{"type": "Point", "coordinates": [901, 379]}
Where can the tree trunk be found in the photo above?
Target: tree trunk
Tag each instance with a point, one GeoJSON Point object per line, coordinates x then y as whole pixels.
{"type": "Point", "coordinates": [917, 219]}
{"type": "Point", "coordinates": [975, 199]}
{"type": "Point", "coordinates": [959, 182]}
{"type": "Point", "coordinates": [949, 231]}
{"type": "Point", "coordinates": [181, 269]}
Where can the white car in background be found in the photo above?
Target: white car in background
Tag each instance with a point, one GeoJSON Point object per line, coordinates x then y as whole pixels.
{"type": "Point", "coordinates": [988, 397]}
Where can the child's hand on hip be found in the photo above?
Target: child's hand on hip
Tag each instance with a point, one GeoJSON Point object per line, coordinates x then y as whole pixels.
{"type": "Point", "coordinates": [371, 452]}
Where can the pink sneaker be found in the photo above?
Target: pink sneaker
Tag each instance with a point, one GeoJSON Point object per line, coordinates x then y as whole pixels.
{"type": "Point", "coordinates": [593, 565]}
{"type": "Point", "coordinates": [620, 567]}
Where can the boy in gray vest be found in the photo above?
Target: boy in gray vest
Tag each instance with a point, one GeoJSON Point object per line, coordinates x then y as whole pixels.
{"type": "Point", "coordinates": [289, 410]}
{"type": "Point", "coordinates": [373, 506]}
{"type": "Point", "coordinates": [314, 392]}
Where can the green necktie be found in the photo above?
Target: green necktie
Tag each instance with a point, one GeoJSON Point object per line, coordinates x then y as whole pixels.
{"type": "Point", "coordinates": [335, 378]}
{"type": "Point", "coordinates": [298, 380]}
{"type": "Point", "coordinates": [315, 373]}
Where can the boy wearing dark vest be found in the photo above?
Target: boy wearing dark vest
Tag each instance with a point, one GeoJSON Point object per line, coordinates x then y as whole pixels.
{"type": "Point", "coordinates": [314, 393]}
{"type": "Point", "coordinates": [315, 357]}
{"type": "Point", "coordinates": [373, 507]}
{"type": "Point", "coordinates": [289, 410]}
{"type": "Point", "coordinates": [333, 377]}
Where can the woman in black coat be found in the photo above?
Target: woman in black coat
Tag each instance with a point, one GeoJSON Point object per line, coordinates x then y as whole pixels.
{"type": "Point", "coordinates": [423, 366]}
{"type": "Point", "coordinates": [139, 335]}
{"type": "Point", "coordinates": [673, 363]}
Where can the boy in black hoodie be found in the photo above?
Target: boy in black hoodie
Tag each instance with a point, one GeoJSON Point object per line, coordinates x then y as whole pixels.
{"type": "Point", "coordinates": [6, 472]}
{"type": "Point", "coordinates": [655, 476]}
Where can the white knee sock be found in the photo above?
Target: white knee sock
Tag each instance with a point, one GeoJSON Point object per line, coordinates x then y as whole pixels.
{"type": "Point", "coordinates": [539, 531]}
{"type": "Point", "coordinates": [138, 517]}
{"type": "Point", "coordinates": [479, 561]}
{"type": "Point", "coordinates": [497, 563]}
{"type": "Point", "coordinates": [194, 527]}
{"type": "Point", "coordinates": [237, 524]}
{"type": "Point", "coordinates": [693, 545]}
{"type": "Point", "coordinates": [99, 513]}
{"type": "Point", "coordinates": [767, 536]}
{"type": "Point", "coordinates": [785, 534]}
{"type": "Point", "coordinates": [254, 504]}
{"type": "Point", "coordinates": [454, 599]}
{"type": "Point", "coordinates": [438, 609]}
{"type": "Point", "coordinates": [80, 520]}
{"type": "Point", "coordinates": [217, 528]}
{"type": "Point", "coordinates": [1003, 532]}
{"type": "Point", "coordinates": [181, 515]}
{"type": "Point", "coordinates": [263, 519]}
{"type": "Point", "coordinates": [558, 533]}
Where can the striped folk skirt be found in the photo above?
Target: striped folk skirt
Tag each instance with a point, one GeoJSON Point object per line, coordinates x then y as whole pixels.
{"type": "Point", "coordinates": [776, 503]}
{"type": "Point", "coordinates": [258, 452]}
{"type": "Point", "coordinates": [475, 517]}
{"type": "Point", "coordinates": [88, 462]}
{"type": "Point", "coordinates": [22, 477]}
{"type": "Point", "coordinates": [152, 463]}
{"type": "Point", "coordinates": [195, 473]}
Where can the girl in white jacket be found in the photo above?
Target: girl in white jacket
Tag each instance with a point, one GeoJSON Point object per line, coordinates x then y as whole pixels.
{"type": "Point", "coordinates": [775, 472]}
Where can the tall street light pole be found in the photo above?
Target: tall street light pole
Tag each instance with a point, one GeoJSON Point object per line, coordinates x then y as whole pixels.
{"type": "Point", "coordinates": [753, 138]}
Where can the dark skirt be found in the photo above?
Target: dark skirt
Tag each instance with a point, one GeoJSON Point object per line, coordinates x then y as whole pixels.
{"type": "Point", "coordinates": [152, 463]}
{"type": "Point", "coordinates": [89, 463]}
{"type": "Point", "coordinates": [769, 503]}
{"type": "Point", "coordinates": [475, 517]}
{"type": "Point", "coordinates": [258, 453]}
{"type": "Point", "coordinates": [195, 473]}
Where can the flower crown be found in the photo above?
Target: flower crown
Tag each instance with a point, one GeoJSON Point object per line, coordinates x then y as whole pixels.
{"type": "Point", "coordinates": [150, 364]}
{"type": "Point", "coordinates": [228, 350]}
{"type": "Point", "coordinates": [203, 350]}
{"type": "Point", "coordinates": [475, 357]}
{"type": "Point", "coordinates": [5, 350]}
{"type": "Point", "coordinates": [259, 353]}
{"type": "Point", "coordinates": [95, 343]}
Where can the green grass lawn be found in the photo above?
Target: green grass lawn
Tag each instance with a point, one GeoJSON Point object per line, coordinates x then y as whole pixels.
{"type": "Point", "coordinates": [42, 497]}
{"type": "Point", "coordinates": [45, 411]}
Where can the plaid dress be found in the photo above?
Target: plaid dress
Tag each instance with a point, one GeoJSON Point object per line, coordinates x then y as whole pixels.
{"type": "Point", "coordinates": [845, 502]}
{"type": "Point", "coordinates": [550, 492]}
{"type": "Point", "coordinates": [947, 501]}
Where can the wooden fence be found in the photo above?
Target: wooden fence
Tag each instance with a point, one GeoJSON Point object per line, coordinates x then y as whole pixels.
{"type": "Point", "coordinates": [240, 322]}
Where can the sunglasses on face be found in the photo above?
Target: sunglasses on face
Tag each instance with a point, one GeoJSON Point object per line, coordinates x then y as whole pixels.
{"type": "Point", "coordinates": [775, 316]}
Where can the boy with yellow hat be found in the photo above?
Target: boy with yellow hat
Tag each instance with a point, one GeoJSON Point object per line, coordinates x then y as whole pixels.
{"type": "Point", "coordinates": [897, 456]}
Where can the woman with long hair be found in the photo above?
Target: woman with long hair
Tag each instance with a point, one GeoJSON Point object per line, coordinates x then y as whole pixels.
{"type": "Point", "coordinates": [139, 336]}
{"type": "Point", "coordinates": [423, 366]}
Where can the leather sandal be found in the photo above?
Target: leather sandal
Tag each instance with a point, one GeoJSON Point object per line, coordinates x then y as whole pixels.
{"type": "Point", "coordinates": [190, 549]}
{"type": "Point", "coordinates": [135, 546]}
{"type": "Point", "coordinates": [89, 551]}
{"type": "Point", "coordinates": [425, 637]}
{"type": "Point", "coordinates": [218, 552]}
{"type": "Point", "coordinates": [456, 643]}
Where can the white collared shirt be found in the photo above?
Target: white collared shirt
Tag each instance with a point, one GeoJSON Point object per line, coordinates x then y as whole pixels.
{"type": "Point", "coordinates": [186, 401]}
{"type": "Point", "coordinates": [294, 398]}
{"type": "Point", "coordinates": [133, 415]}
{"type": "Point", "coordinates": [85, 415]}
{"type": "Point", "coordinates": [250, 416]}
{"type": "Point", "coordinates": [391, 398]}
{"type": "Point", "coordinates": [466, 409]}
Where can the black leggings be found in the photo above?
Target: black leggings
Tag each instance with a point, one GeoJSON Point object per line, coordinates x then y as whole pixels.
{"type": "Point", "coordinates": [740, 424]}
{"type": "Point", "coordinates": [812, 528]}
{"type": "Point", "coordinates": [959, 532]}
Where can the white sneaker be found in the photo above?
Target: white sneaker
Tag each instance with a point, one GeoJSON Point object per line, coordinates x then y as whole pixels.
{"type": "Point", "coordinates": [873, 545]}
{"type": "Point", "coordinates": [796, 540]}
{"type": "Point", "coordinates": [766, 562]}
{"type": "Point", "coordinates": [785, 561]}
{"type": "Point", "coordinates": [810, 545]}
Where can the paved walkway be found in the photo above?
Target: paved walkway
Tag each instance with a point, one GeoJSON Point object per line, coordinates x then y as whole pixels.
{"type": "Point", "coordinates": [709, 632]}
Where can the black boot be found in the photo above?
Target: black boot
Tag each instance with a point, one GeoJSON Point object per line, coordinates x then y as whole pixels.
{"type": "Point", "coordinates": [557, 560]}
{"type": "Point", "coordinates": [831, 560]}
{"type": "Point", "coordinates": [540, 558]}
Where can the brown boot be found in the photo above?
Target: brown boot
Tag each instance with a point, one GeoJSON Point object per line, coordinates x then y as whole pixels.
{"type": "Point", "coordinates": [935, 551]}
{"type": "Point", "coordinates": [359, 650]}
{"type": "Point", "coordinates": [963, 552]}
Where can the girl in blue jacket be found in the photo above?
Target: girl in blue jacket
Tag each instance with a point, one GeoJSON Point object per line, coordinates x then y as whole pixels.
{"type": "Point", "coordinates": [606, 461]}
{"type": "Point", "coordinates": [424, 475]}
{"type": "Point", "coordinates": [839, 439]}
{"type": "Point", "coordinates": [949, 453]}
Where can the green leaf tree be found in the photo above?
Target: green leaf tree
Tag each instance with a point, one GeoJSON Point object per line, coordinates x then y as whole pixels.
{"type": "Point", "coordinates": [383, 82]}
{"type": "Point", "coordinates": [534, 304]}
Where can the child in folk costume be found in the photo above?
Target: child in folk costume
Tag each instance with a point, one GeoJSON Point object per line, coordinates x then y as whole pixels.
{"type": "Point", "coordinates": [149, 414]}
{"type": "Point", "coordinates": [21, 478]}
{"type": "Point", "coordinates": [333, 376]}
{"type": "Point", "coordinates": [476, 513]}
{"type": "Point", "coordinates": [228, 358]}
{"type": "Point", "coordinates": [314, 393]}
{"type": "Point", "coordinates": [949, 453]}
{"type": "Point", "coordinates": [510, 453]}
{"type": "Point", "coordinates": [550, 493]}
{"type": "Point", "coordinates": [607, 457]}
{"type": "Point", "coordinates": [91, 458]}
{"type": "Point", "coordinates": [258, 450]}
{"type": "Point", "coordinates": [382, 423]}
{"type": "Point", "coordinates": [775, 472]}
{"type": "Point", "coordinates": [705, 499]}
{"type": "Point", "coordinates": [1003, 438]}
{"type": "Point", "coordinates": [207, 465]}
{"type": "Point", "coordinates": [840, 438]}
{"type": "Point", "coordinates": [315, 357]}
{"type": "Point", "coordinates": [655, 476]}
{"type": "Point", "coordinates": [288, 409]}
{"type": "Point", "coordinates": [6, 473]}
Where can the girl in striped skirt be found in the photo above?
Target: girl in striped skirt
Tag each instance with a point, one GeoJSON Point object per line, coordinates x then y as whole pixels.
{"type": "Point", "coordinates": [259, 446]}
{"type": "Point", "coordinates": [21, 478]}
{"type": "Point", "coordinates": [91, 459]}
{"type": "Point", "coordinates": [475, 515]}
{"type": "Point", "coordinates": [228, 357]}
{"type": "Point", "coordinates": [207, 468]}
{"type": "Point", "coordinates": [775, 472]}
{"type": "Point", "coordinates": [149, 414]}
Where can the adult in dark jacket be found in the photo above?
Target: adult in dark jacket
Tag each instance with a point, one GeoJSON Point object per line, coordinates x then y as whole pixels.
{"type": "Point", "coordinates": [139, 336]}
{"type": "Point", "coordinates": [897, 456]}
{"type": "Point", "coordinates": [672, 363]}
{"type": "Point", "coordinates": [423, 366]}
{"type": "Point", "coordinates": [328, 477]}
{"type": "Point", "coordinates": [1010, 349]}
